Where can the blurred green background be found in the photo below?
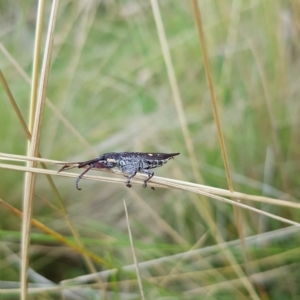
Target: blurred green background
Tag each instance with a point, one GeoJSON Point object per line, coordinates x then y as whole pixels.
{"type": "Point", "coordinates": [110, 89]}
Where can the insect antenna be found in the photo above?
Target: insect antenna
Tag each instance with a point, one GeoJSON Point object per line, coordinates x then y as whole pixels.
{"type": "Point", "coordinates": [81, 175]}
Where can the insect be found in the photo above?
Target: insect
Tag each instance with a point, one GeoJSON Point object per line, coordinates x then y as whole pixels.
{"type": "Point", "coordinates": [127, 162]}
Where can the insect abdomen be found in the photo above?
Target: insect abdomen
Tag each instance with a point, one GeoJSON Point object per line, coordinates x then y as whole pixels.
{"type": "Point", "coordinates": [151, 164]}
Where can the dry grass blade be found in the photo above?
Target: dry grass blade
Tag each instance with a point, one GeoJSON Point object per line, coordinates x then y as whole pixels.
{"type": "Point", "coordinates": [176, 183]}
{"type": "Point", "coordinates": [260, 239]}
{"type": "Point", "coordinates": [271, 117]}
{"type": "Point", "coordinates": [161, 182]}
{"type": "Point", "coordinates": [175, 90]}
{"type": "Point", "coordinates": [237, 211]}
{"type": "Point", "coordinates": [57, 236]}
{"type": "Point", "coordinates": [206, 210]}
{"type": "Point", "coordinates": [134, 254]}
{"type": "Point", "coordinates": [130, 76]}
{"type": "Point", "coordinates": [57, 113]}
{"type": "Point", "coordinates": [34, 146]}
{"type": "Point", "coordinates": [36, 64]}
{"type": "Point", "coordinates": [156, 181]}
{"type": "Point", "coordinates": [208, 75]}
{"type": "Point", "coordinates": [163, 225]}
{"type": "Point", "coordinates": [15, 106]}
{"type": "Point", "coordinates": [34, 159]}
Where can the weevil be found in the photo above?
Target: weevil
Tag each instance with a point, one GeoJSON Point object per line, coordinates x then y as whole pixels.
{"type": "Point", "coordinates": [128, 162]}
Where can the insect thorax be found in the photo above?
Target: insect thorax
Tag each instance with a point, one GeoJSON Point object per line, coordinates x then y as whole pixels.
{"type": "Point", "coordinates": [110, 160]}
{"type": "Point", "coordinates": [139, 162]}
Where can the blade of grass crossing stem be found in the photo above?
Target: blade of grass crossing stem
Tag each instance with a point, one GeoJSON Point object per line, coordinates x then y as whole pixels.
{"type": "Point", "coordinates": [134, 254]}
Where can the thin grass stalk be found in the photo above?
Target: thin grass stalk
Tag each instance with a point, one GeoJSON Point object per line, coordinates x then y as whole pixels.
{"type": "Point", "coordinates": [134, 254]}
{"type": "Point", "coordinates": [271, 118]}
{"type": "Point", "coordinates": [258, 279]}
{"type": "Point", "coordinates": [175, 90]}
{"type": "Point", "coordinates": [33, 151]}
{"type": "Point", "coordinates": [198, 20]}
{"type": "Point", "coordinates": [180, 263]}
{"type": "Point", "coordinates": [56, 112]}
{"type": "Point", "coordinates": [155, 181]}
{"type": "Point", "coordinates": [78, 248]}
{"type": "Point", "coordinates": [179, 107]}
{"type": "Point", "coordinates": [260, 239]}
{"type": "Point", "coordinates": [15, 106]}
{"type": "Point", "coordinates": [85, 21]}
{"type": "Point", "coordinates": [199, 26]}
{"type": "Point", "coordinates": [231, 284]}
{"type": "Point", "coordinates": [160, 182]}
{"type": "Point", "coordinates": [231, 41]}
{"type": "Point", "coordinates": [13, 62]}
{"type": "Point", "coordinates": [162, 224]}
{"type": "Point", "coordinates": [237, 211]}
{"type": "Point", "coordinates": [28, 134]}
{"type": "Point", "coordinates": [36, 64]}
{"type": "Point", "coordinates": [205, 210]}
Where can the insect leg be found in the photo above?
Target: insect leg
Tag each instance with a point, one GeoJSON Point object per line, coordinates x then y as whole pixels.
{"type": "Point", "coordinates": [128, 179]}
{"type": "Point", "coordinates": [150, 175]}
{"type": "Point", "coordinates": [81, 175]}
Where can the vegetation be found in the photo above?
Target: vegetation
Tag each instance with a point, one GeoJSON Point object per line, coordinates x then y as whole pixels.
{"type": "Point", "coordinates": [111, 88]}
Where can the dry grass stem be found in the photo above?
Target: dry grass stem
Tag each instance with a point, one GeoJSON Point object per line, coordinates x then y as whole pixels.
{"type": "Point", "coordinates": [34, 145]}
{"type": "Point", "coordinates": [134, 254]}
